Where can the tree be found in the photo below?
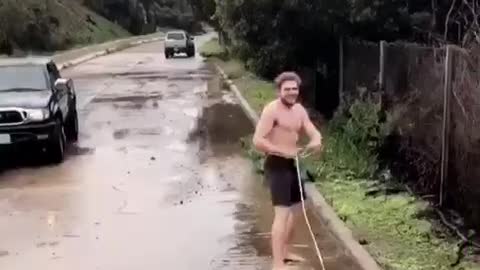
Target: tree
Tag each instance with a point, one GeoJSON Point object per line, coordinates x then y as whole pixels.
{"type": "Point", "coordinates": [203, 9]}
{"type": "Point", "coordinates": [273, 35]}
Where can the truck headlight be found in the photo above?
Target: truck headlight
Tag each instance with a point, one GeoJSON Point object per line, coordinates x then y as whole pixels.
{"type": "Point", "coordinates": [38, 114]}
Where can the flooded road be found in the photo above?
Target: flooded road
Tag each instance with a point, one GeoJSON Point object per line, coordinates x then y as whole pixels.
{"type": "Point", "coordinates": [156, 181]}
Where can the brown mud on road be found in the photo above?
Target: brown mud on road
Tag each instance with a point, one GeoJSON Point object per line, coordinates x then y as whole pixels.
{"type": "Point", "coordinates": [156, 181]}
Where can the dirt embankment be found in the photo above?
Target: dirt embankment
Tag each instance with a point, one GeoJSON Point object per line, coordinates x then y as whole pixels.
{"type": "Point", "coordinates": [50, 25]}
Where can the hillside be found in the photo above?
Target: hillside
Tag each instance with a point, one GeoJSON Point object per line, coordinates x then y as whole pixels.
{"type": "Point", "coordinates": [145, 16]}
{"type": "Point", "coordinates": [49, 25]}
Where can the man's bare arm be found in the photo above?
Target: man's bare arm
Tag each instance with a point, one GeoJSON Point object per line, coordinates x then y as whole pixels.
{"type": "Point", "coordinates": [312, 132]}
{"type": "Point", "coordinates": [264, 126]}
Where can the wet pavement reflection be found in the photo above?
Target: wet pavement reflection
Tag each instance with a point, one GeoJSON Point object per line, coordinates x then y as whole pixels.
{"type": "Point", "coordinates": [156, 181]}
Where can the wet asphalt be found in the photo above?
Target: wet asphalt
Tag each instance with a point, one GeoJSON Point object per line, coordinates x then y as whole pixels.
{"type": "Point", "coordinates": [157, 180]}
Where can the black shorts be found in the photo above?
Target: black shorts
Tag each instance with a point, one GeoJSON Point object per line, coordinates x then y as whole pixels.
{"type": "Point", "coordinates": [281, 175]}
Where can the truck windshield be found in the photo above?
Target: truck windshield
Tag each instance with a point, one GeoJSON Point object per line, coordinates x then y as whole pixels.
{"type": "Point", "coordinates": [22, 77]}
{"type": "Point", "coordinates": [176, 36]}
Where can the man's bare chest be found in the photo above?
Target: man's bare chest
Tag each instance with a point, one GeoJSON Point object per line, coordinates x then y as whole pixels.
{"type": "Point", "coordinates": [289, 122]}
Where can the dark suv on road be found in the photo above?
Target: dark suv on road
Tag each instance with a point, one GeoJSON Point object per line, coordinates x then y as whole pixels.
{"type": "Point", "coordinates": [37, 106]}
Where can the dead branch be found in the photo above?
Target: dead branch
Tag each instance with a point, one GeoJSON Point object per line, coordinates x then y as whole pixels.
{"type": "Point", "coordinates": [456, 230]}
{"type": "Point", "coordinates": [447, 20]}
{"type": "Point", "coordinates": [452, 227]}
{"type": "Point", "coordinates": [472, 9]}
{"type": "Point", "coordinates": [455, 95]}
{"type": "Point", "coordinates": [471, 18]}
{"type": "Point", "coordinates": [464, 112]}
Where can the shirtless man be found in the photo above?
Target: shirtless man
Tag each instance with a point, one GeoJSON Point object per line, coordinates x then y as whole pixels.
{"type": "Point", "coordinates": [276, 135]}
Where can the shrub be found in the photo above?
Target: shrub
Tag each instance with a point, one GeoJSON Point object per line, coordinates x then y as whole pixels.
{"type": "Point", "coordinates": [352, 140]}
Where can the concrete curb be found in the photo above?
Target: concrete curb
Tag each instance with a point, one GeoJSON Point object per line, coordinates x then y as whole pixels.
{"type": "Point", "coordinates": [321, 207]}
{"type": "Point", "coordinates": [116, 48]}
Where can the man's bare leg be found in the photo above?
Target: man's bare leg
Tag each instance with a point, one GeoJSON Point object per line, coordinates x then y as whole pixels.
{"type": "Point", "coordinates": [293, 216]}
{"type": "Point", "coordinates": [279, 228]}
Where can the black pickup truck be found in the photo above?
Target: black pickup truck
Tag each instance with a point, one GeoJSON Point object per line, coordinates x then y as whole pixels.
{"type": "Point", "coordinates": [37, 107]}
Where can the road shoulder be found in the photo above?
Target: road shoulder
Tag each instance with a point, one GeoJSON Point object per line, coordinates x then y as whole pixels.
{"type": "Point", "coordinates": [77, 56]}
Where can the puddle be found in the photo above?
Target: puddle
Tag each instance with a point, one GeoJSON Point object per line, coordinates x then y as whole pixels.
{"type": "Point", "coordinates": [180, 101]}
{"type": "Point", "coordinates": [177, 147]}
{"type": "Point", "coordinates": [180, 78]}
{"type": "Point", "coordinates": [168, 131]}
{"type": "Point", "coordinates": [131, 106]}
{"type": "Point", "coordinates": [122, 149]}
{"type": "Point", "coordinates": [172, 85]}
{"type": "Point", "coordinates": [189, 78]}
{"type": "Point", "coordinates": [149, 131]}
{"type": "Point", "coordinates": [155, 75]}
{"type": "Point", "coordinates": [151, 77]}
{"type": "Point", "coordinates": [140, 73]}
{"type": "Point", "coordinates": [44, 244]}
{"type": "Point", "coordinates": [200, 89]}
{"type": "Point", "coordinates": [131, 98]}
{"type": "Point", "coordinates": [228, 98]}
{"type": "Point", "coordinates": [175, 95]}
{"type": "Point", "coordinates": [192, 112]}
{"type": "Point", "coordinates": [75, 150]}
{"type": "Point", "coordinates": [222, 126]}
{"type": "Point", "coordinates": [120, 134]}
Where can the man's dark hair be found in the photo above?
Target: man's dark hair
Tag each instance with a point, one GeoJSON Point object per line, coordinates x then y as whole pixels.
{"type": "Point", "coordinates": [287, 76]}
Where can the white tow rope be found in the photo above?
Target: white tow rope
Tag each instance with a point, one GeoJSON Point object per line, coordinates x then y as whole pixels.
{"type": "Point", "coordinates": [299, 176]}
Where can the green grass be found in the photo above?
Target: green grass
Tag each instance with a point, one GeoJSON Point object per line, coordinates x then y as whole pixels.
{"type": "Point", "coordinates": [212, 49]}
{"type": "Point", "coordinates": [103, 31]}
{"type": "Point", "coordinates": [257, 91]}
{"type": "Point", "coordinates": [74, 23]}
{"type": "Point", "coordinates": [397, 237]}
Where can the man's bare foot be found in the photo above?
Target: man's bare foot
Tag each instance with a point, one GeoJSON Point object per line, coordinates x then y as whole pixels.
{"type": "Point", "coordinates": [292, 257]}
{"type": "Point", "coordinates": [286, 267]}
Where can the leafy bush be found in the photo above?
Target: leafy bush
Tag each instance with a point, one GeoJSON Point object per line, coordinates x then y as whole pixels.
{"type": "Point", "coordinates": [213, 49]}
{"type": "Point", "coordinates": [352, 140]}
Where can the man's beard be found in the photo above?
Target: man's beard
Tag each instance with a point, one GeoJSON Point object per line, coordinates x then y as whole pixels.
{"type": "Point", "coordinates": [287, 103]}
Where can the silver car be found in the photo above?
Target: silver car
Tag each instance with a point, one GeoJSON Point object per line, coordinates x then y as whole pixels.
{"type": "Point", "coordinates": [179, 42]}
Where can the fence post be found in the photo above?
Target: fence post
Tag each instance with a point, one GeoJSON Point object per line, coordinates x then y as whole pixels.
{"type": "Point", "coordinates": [341, 74]}
{"type": "Point", "coordinates": [447, 91]}
{"type": "Point", "coordinates": [381, 76]}
{"type": "Point", "coordinates": [221, 39]}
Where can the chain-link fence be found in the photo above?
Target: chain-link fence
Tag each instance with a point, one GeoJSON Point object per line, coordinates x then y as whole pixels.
{"type": "Point", "coordinates": [462, 187]}
{"type": "Point", "coordinates": [436, 127]}
{"type": "Point", "coordinates": [413, 95]}
{"type": "Point", "coordinates": [361, 66]}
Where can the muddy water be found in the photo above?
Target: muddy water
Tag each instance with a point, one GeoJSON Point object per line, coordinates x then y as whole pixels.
{"type": "Point", "coordinates": [156, 181]}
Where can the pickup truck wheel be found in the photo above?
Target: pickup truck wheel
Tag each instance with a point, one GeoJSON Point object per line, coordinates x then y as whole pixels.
{"type": "Point", "coordinates": [191, 52]}
{"type": "Point", "coordinates": [71, 129]}
{"type": "Point", "coordinates": [168, 53]}
{"type": "Point", "coordinates": [56, 145]}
